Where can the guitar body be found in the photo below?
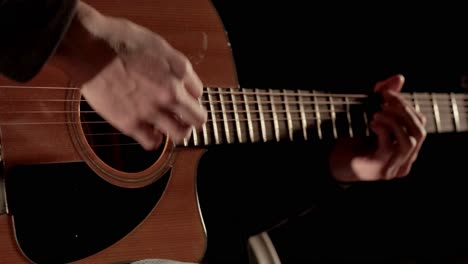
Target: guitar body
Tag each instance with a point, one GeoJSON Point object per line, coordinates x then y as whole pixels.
{"type": "Point", "coordinates": [48, 140]}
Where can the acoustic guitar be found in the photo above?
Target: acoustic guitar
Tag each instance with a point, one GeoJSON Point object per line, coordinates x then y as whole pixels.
{"type": "Point", "coordinates": [79, 191]}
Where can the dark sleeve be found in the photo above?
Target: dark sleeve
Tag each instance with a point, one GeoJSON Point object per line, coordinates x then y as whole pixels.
{"type": "Point", "coordinates": [30, 31]}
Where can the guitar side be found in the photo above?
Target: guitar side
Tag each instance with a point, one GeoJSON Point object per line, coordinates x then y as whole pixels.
{"type": "Point", "coordinates": [174, 228]}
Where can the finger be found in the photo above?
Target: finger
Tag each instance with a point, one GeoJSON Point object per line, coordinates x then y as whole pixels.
{"type": "Point", "coordinates": [385, 141]}
{"type": "Point", "coordinates": [183, 105]}
{"type": "Point", "coordinates": [403, 147]}
{"type": "Point", "coordinates": [413, 121]}
{"type": "Point", "coordinates": [394, 83]}
{"type": "Point", "coordinates": [406, 167]}
{"type": "Point", "coordinates": [421, 117]}
{"type": "Point", "coordinates": [172, 98]}
{"type": "Point", "coordinates": [153, 97]}
{"type": "Point", "coordinates": [405, 114]}
{"type": "Point", "coordinates": [183, 70]}
{"type": "Point", "coordinates": [193, 84]}
{"type": "Point", "coordinates": [170, 125]}
{"type": "Point", "coordinates": [187, 108]}
{"type": "Point", "coordinates": [144, 134]}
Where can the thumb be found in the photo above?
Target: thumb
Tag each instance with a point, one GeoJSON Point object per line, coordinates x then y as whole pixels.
{"type": "Point", "coordinates": [393, 83]}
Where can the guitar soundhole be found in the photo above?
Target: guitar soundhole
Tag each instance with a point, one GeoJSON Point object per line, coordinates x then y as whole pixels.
{"type": "Point", "coordinates": [113, 147]}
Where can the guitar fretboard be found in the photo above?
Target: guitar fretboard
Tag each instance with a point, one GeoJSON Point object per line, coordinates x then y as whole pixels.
{"type": "Point", "coordinates": [261, 115]}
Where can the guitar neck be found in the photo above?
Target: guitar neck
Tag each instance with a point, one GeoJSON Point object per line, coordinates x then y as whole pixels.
{"type": "Point", "coordinates": [262, 115]}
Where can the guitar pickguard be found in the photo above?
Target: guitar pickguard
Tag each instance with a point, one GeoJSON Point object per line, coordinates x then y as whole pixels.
{"type": "Point", "coordinates": [64, 212]}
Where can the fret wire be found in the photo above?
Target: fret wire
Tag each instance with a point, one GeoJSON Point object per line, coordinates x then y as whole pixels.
{"type": "Point", "coordinates": [213, 118]}
{"type": "Point", "coordinates": [333, 113]}
{"type": "Point", "coordinates": [262, 118]}
{"type": "Point", "coordinates": [317, 114]}
{"type": "Point", "coordinates": [195, 136]}
{"type": "Point", "coordinates": [275, 116]}
{"type": "Point", "coordinates": [205, 133]}
{"type": "Point", "coordinates": [249, 118]}
{"type": "Point", "coordinates": [348, 115]}
{"type": "Point", "coordinates": [288, 115]}
{"type": "Point", "coordinates": [236, 116]}
{"type": "Point", "coordinates": [204, 130]}
{"type": "Point", "coordinates": [456, 117]}
{"type": "Point", "coordinates": [303, 116]}
{"type": "Point", "coordinates": [436, 113]}
{"type": "Point", "coordinates": [416, 103]}
{"type": "Point", "coordinates": [366, 123]}
{"type": "Point", "coordinates": [226, 125]}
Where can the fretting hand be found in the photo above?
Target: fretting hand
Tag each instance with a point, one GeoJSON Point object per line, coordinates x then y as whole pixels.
{"type": "Point", "coordinates": [400, 133]}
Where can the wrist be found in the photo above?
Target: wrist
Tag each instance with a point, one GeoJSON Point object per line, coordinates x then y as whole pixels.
{"type": "Point", "coordinates": [338, 172]}
{"type": "Point", "coordinates": [82, 54]}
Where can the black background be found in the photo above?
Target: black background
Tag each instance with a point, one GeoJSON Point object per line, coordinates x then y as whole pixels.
{"type": "Point", "coordinates": [349, 46]}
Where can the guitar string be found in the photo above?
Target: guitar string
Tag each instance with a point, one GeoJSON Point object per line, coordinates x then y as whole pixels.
{"type": "Point", "coordinates": [207, 129]}
{"type": "Point", "coordinates": [426, 101]}
{"type": "Point", "coordinates": [294, 119]}
{"type": "Point", "coordinates": [428, 110]}
{"type": "Point", "coordinates": [223, 90]}
{"type": "Point", "coordinates": [447, 111]}
{"type": "Point", "coordinates": [270, 134]}
{"type": "Point", "coordinates": [413, 96]}
{"type": "Point", "coordinates": [259, 92]}
{"type": "Point", "coordinates": [270, 137]}
{"type": "Point", "coordinates": [425, 104]}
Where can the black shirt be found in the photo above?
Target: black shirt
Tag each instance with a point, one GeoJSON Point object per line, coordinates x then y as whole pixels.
{"type": "Point", "coordinates": [30, 31]}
